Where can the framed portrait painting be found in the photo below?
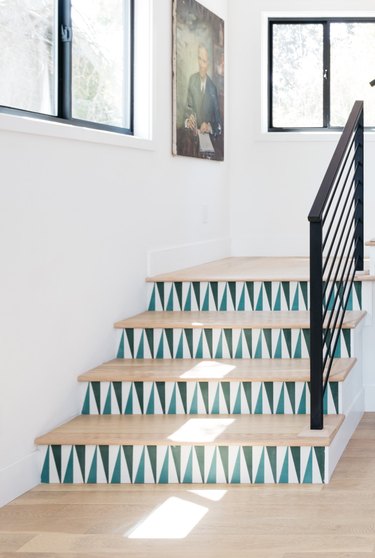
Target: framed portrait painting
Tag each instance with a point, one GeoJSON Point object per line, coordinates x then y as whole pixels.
{"type": "Point", "coordinates": [198, 81]}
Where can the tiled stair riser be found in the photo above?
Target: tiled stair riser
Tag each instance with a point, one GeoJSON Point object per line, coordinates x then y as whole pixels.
{"type": "Point", "coordinates": [201, 398]}
{"type": "Point", "coordinates": [222, 343]}
{"type": "Point", "coordinates": [183, 464]}
{"type": "Point", "coordinates": [239, 295]}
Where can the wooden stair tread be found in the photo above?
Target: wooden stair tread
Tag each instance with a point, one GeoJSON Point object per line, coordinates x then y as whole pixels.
{"type": "Point", "coordinates": [232, 319]}
{"type": "Point", "coordinates": [244, 269]}
{"type": "Point", "coordinates": [228, 370]}
{"type": "Point", "coordinates": [172, 430]}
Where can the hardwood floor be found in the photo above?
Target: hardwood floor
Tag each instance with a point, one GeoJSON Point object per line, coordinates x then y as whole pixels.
{"type": "Point", "coordinates": [332, 521]}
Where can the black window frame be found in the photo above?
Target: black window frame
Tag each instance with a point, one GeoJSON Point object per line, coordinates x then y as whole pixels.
{"type": "Point", "coordinates": [64, 77]}
{"type": "Point", "coordinates": [325, 21]}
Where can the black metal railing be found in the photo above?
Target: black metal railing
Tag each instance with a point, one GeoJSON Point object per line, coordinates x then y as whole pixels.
{"type": "Point", "coordinates": [336, 253]}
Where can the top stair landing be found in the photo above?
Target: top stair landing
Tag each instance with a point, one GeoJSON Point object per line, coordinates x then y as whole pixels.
{"type": "Point", "coordinates": [241, 284]}
{"type": "Point", "coordinates": [246, 269]}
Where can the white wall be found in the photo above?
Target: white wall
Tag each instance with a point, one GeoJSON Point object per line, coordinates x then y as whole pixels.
{"type": "Point", "coordinates": [274, 181]}
{"type": "Point", "coordinates": [78, 221]}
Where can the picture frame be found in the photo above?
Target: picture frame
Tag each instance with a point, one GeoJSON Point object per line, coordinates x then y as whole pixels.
{"type": "Point", "coordinates": [198, 81]}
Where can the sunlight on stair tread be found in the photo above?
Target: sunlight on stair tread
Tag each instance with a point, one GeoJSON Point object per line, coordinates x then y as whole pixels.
{"type": "Point", "coordinates": [174, 519]}
{"type": "Point", "coordinates": [209, 369]}
{"type": "Point", "coordinates": [201, 430]}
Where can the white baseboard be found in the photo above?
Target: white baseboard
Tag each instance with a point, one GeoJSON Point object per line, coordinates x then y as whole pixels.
{"type": "Point", "coordinates": [19, 477]}
{"type": "Point", "coordinates": [369, 398]}
{"type": "Point", "coordinates": [344, 434]}
{"type": "Point", "coordinates": [173, 258]}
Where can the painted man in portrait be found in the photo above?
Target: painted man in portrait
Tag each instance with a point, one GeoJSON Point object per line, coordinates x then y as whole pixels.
{"type": "Point", "coordinates": [202, 107]}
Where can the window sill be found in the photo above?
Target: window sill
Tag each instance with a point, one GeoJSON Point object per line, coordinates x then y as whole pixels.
{"type": "Point", "coordinates": [306, 136]}
{"type": "Point", "coordinates": [26, 125]}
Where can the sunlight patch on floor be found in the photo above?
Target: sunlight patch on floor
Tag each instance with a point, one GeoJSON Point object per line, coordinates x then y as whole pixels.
{"type": "Point", "coordinates": [174, 519]}
{"type": "Point", "coordinates": [213, 495]}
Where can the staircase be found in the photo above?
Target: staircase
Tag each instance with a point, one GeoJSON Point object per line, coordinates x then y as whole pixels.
{"type": "Point", "coordinates": [211, 385]}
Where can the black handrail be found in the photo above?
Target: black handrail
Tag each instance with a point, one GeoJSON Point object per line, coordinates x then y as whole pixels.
{"type": "Point", "coordinates": [336, 253]}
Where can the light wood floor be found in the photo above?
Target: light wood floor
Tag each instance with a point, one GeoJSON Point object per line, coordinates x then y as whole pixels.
{"type": "Point", "coordinates": [333, 521]}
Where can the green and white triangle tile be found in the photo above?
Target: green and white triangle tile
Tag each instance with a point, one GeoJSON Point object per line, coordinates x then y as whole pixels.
{"type": "Point", "coordinates": [275, 303]}
{"type": "Point", "coordinates": [91, 464]}
{"type": "Point", "coordinates": [147, 466]}
{"type": "Point", "coordinates": [258, 296]}
{"type": "Point", "coordinates": [151, 464]}
{"type": "Point", "coordinates": [210, 462]}
{"type": "Point", "coordinates": [113, 453]}
{"type": "Point", "coordinates": [213, 398]}
{"type": "Point", "coordinates": [258, 464]}
{"type": "Point", "coordinates": [66, 462]}
{"type": "Point", "coordinates": [300, 396]}
{"type": "Point", "coordinates": [79, 464]}
{"type": "Point", "coordinates": [266, 296]}
{"type": "Point", "coordinates": [234, 464]}
{"type": "Point", "coordinates": [222, 296]}
{"type": "Point", "coordinates": [90, 404]}
{"type": "Point", "coordinates": [279, 398]}
{"type": "Point", "coordinates": [127, 398]}
{"type": "Point", "coordinates": [103, 464]}
{"type": "Point", "coordinates": [158, 404]}
{"type": "Point", "coordinates": [202, 398]}
{"type": "Point", "coordinates": [294, 298]}
{"type": "Point", "coordinates": [188, 299]}
{"type": "Point", "coordinates": [282, 465]}
{"type": "Point", "coordinates": [270, 465]}
{"type": "Point", "coordinates": [128, 344]}
{"type": "Point", "coordinates": [139, 465]}
{"type": "Point", "coordinates": [257, 398]}
{"type": "Point", "coordinates": [116, 475]}
{"type": "Point", "coordinates": [245, 299]}
{"type": "Point", "coordinates": [105, 398]}
{"type": "Point", "coordinates": [162, 465]}
{"type": "Point", "coordinates": [294, 465]}
{"type": "Point", "coordinates": [190, 470]}
{"type": "Point", "coordinates": [290, 398]}
{"type": "Point", "coordinates": [178, 343]}
{"type": "Point", "coordinates": [306, 465]}
{"type": "Point", "coordinates": [246, 454]}
{"type": "Point", "coordinates": [151, 296]}
{"type": "Point", "coordinates": [198, 343]}
{"type": "Point", "coordinates": [210, 297]}
{"type": "Point", "coordinates": [148, 389]}
{"type": "Point", "coordinates": [165, 340]}
{"type": "Point", "coordinates": [174, 302]}
{"type": "Point", "coordinates": [332, 398]}
{"type": "Point", "coordinates": [236, 398]}
{"type": "Point", "coordinates": [193, 403]}
{"type": "Point", "coordinates": [46, 459]}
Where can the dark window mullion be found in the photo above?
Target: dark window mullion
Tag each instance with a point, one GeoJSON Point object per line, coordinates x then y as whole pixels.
{"type": "Point", "coordinates": [64, 89]}
{"type": "Point", "coordinates": [326, 75]}
{"type": "Point", "coordinates": [131, 59]}
{"type": "Point", "coordinates": [270, 70]}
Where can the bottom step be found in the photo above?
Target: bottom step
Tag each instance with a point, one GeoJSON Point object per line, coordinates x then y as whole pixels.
{"type": "Point", "coordinates": [177, 449]}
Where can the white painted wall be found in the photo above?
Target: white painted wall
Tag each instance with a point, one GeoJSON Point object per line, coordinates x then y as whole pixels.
{"type": "Point", "coordinates": [274, 180]}
{"type": "Point", "coordinates": [79, 222]}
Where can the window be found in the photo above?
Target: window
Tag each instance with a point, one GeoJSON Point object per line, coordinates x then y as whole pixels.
{"type": "Point", "coordinates": [68, 60]}
{"type": "Point", "coordinates": [317, 69]}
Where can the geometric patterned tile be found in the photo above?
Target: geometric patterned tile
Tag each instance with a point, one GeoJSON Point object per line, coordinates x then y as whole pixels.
{"type": "Point", "coordinates": [202, 397]}
{"type": "Point", "coordinates": [222, 343]}
{"type": "Point", "coordinates": [240, 295]}
{"type": "Point", "coordinates": [69, 464]}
